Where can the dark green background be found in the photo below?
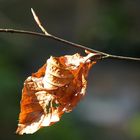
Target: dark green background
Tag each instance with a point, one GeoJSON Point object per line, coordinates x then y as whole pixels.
{"type": "Point", "coordinates": [111, 108]}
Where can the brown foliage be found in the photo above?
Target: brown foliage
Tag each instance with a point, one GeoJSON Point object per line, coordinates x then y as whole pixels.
{"type": "Point", "coordinates": [55, 89]}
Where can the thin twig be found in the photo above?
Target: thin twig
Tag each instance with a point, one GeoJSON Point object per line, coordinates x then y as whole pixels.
{"type": "Point", "coordinates": [51, 37]}
{"type": "Point", "coordinates": [123, 57]}
{"type": "Point", "coordinates": [39, 23]}
{"type": "Point", "coordinates": [102, 55]}
{"type": "Point", "coordinates": [60, 39]}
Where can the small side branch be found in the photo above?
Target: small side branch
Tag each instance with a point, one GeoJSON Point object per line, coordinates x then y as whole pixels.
{"type": "Point", "coordinates": [102, 55]}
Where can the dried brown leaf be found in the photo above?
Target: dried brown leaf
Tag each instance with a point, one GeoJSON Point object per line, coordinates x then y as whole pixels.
{"type": "Point", "coordinates": [55, 89]}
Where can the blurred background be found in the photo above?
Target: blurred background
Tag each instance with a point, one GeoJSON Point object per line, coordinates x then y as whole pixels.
{"type": "Point", "coordinates": [111, 108]}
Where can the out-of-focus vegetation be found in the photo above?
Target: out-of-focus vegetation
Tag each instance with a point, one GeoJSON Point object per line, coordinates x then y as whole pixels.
{"type": "Point", "coordinates": [111, 109]}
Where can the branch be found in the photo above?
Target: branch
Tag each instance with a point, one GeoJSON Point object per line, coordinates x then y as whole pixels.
{"type": "Point", "coordinates": [101, 55]}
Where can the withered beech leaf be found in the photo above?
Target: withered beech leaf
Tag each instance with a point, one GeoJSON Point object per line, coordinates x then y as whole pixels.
{"type": "Point", "coordinates": [55, 89]}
